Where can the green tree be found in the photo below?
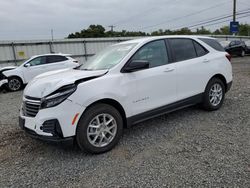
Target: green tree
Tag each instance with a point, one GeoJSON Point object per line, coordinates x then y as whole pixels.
{"type": "Point", "coordinates": [203, 31]}
{"type": "Point", "coordinates": [244, 29]}
{"type": "Point", "coordinates": [92, 32]}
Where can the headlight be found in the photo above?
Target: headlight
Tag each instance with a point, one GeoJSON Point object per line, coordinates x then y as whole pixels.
{"type": "Point", "coordinates": [58, 96]}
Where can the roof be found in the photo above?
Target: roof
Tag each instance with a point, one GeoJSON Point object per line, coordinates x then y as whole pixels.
{"type": "Point", "coordinates": [51, 54]}
{"type": "Point", "coordinates": [147, 39]}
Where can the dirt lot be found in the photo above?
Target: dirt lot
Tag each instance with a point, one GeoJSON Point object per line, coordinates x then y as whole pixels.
{"type": "Point", "coordinates": [190, 147]}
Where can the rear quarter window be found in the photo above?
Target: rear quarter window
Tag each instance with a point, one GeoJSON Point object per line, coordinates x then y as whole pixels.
{"type": "Point", "coordinates": [213, 43]}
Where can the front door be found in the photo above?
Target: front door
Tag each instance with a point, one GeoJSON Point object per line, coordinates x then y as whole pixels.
{"type": "Point", "coordinates": [34, 67]}
{"type": "Point", "coordinates": [154, 87]}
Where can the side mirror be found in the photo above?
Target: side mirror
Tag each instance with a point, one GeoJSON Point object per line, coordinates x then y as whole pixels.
{"type": "Point", "coordinates": [27, 65]}
{"type": "Point", "coordinates": [136, 65]}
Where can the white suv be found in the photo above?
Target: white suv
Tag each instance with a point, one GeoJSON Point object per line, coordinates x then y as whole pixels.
{"type": "Point", "coordinates": [15, 77]}
{"type": "Point", "coordinates": [125, 84]}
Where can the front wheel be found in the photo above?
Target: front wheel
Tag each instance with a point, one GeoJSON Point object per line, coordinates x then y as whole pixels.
{"type": "Point", "coordinates": [214, 95]}
{"type": "Point", "coordinates": [14, 84]}
{"type": "Point", "coordinates": [99, 129]}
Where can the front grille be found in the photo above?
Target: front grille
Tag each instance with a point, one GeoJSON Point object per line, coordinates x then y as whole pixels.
{"type": "Point", "coordinates": [30, 107]}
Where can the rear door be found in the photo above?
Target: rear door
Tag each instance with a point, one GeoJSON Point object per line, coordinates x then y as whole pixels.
{"type": "Point", "coordinates": [192, 66]}
{"type": "Point", "coordinates": [55, 62]}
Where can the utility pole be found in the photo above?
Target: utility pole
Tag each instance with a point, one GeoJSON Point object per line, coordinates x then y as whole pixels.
{"type": "Point", "coordinates": [51, 43]}
{"type": "Point", "coordinates": [234, 11]}
{"type": "Point", "coordinates": [112, 28]}
{"type": "Point", "coordinates": [52, 34]}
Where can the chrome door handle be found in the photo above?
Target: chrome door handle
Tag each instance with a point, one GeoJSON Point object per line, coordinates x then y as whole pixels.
{"type": "Point", "coordinates": [169, 70]}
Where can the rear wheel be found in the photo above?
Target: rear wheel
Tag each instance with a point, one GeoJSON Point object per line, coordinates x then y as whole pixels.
{"type": "Point", "coordinates": [243, 53]}
{"type": "Point", "coordinates": [99, 129]}
{"type": "Point", "coordinates": [214, 95]}
{"type": "Point", "coordinates": [14, 84]}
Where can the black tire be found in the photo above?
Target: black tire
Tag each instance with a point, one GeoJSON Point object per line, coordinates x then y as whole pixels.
{"type": "Point", "coordinates": [207, 104]}
{"type": "Point", "coordinates": [243, 53]}
{"type": "Point", "coordinates": [14, 84]}
{"type": "Point", "coordinates": [82, 138]}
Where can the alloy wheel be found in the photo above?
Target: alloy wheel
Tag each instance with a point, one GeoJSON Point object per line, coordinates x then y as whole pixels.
{"type": "Point", "coordinates": [102, 130]}
{"type": "Point", "coordinates": [14, 84]}
{"type": "Point", "coordinates": [215, 94]}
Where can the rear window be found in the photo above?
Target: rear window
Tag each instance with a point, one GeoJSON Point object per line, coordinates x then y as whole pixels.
{"type": "Point", "coordinates": [213, 43]}
{"type": "Point", "coordinates": [183, 49]}
{"type": "Point", "coordinates": [55, 58]}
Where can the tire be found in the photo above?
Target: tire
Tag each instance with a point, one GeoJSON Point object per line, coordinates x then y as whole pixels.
{"type": "Point", "coordinates": [243, 53]}
{"type": "Point", "coordinates": [14, 84]}
{"type": "Point", "coordinates": [90, 138]}
{"type": "Point", "coordinates": [214, 95]}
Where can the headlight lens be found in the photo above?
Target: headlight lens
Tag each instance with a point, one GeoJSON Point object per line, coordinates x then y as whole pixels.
{"type": "Point", "coordinates": [58, 96]}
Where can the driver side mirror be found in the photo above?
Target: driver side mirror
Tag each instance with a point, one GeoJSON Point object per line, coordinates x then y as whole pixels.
{"type": "Point", "coordinates": [27, 65]}
{"type": "Point", "coordinates": [136, 65]}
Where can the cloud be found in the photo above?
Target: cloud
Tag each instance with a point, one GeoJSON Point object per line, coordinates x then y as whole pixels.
{"type": "Point", "coordinates": [33, 19]}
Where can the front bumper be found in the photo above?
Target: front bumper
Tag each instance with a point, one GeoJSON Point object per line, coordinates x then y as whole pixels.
{"type": "Point", "coordinates": [2, 82]}
{"type": "Point", "coordinates": [53, 124]}
{"type": "Point", "coordinates": [54, 138]}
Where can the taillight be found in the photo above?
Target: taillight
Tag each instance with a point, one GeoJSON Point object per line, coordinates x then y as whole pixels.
{"type": "Point", "coordinates": [229, 57]}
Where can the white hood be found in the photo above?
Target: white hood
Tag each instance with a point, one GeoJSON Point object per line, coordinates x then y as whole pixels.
{"type": "Point", "coordinates": [46, 83]}
{"type": "Point", "coordinates": [7, 68]}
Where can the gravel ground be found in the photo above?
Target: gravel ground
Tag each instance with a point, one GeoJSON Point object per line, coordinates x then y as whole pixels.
{"type": "Point", "coordinates": [187, 148]}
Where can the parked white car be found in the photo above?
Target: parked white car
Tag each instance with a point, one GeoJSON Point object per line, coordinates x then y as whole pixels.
{"type": "Point", "coordinates": [125, 84]}
{"type": "Point", "coordinates": [16, 77]}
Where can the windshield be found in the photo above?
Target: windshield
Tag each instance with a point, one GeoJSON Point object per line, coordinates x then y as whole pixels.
{"type": "Point", "coordinates": [108, 58]}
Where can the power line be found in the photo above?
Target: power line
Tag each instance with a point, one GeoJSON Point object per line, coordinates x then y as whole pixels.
{"type": "Point", "coordinates": [214, 19]}
{"type": "Point", "coordinates": [188, 15]}
{"type": "Point", "coordinates": [223, 21]}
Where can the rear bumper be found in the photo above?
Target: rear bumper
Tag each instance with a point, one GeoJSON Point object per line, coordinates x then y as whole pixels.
{"type": "Point", "coordinates": [53, 139]}
{"type": "Point", "coordinates": [229, 85]}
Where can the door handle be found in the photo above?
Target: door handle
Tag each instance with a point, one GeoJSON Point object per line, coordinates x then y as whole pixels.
{"type": "Point", "coordinates": [206, 61]}
{"type": "Point", "coordinates": [169, 70]}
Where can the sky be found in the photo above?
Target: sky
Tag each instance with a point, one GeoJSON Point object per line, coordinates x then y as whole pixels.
{"type": "Point", "coordinates": [34, 19]}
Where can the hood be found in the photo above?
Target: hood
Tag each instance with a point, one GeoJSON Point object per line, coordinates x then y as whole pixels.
{"type": "Point", "coordinates": [47, 83]}
{"type": "Point", "coordinates": [7, 68]}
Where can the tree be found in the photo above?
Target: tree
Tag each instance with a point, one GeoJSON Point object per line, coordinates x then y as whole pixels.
{"type": "Point", "coordinates": [244, 29]}
{"type": "Point", "coordinates": [203, 31]}
{"type": "Point", "coordinates": [92, 32]}
{"type": "Point", "coordinates": [99, 31]}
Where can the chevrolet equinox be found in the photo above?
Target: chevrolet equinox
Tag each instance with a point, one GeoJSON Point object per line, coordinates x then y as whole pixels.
{"type": "Point", "coordinates": [123, 85]}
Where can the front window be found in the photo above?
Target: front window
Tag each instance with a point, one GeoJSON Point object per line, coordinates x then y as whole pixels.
{"type": "Point", "coordinates": [154, 52]}
{"type": "Point", "coordinates": [37, 61]}
{"type": "Point", "coordinates": [109, 57]}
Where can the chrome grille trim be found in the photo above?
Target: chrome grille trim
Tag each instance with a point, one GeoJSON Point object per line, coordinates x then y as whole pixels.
{"type": "Point", "coordinates": [30, 107]}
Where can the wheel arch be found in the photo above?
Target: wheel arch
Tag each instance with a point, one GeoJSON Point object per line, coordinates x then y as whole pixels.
{"type": "Point", "coordinates": [115, 104]}
{"type": "Point", "coordinates": [222, 78]}
{"type": "Point", "coordinates": [15, 76]}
